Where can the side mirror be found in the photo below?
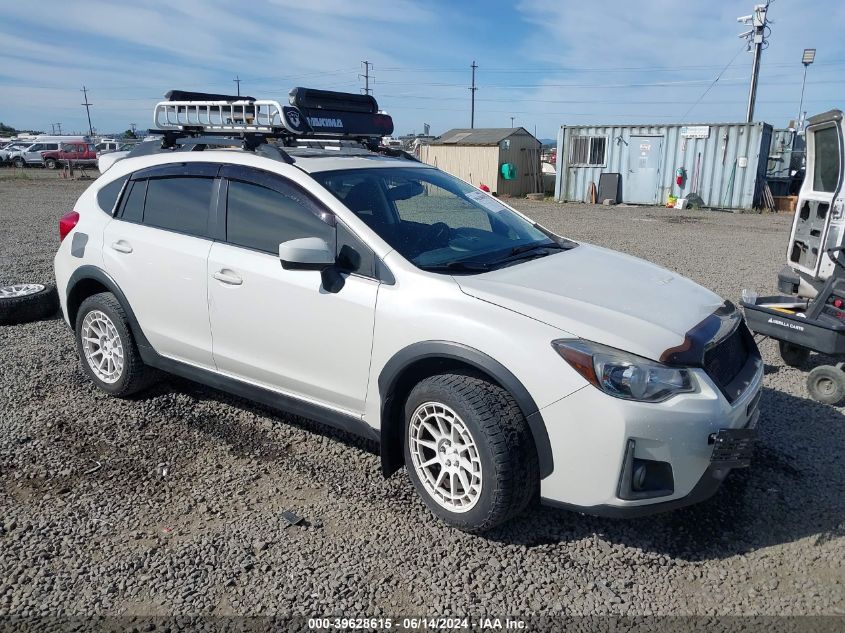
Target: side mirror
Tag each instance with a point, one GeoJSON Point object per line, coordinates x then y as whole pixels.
{"type": "Point", "coordinates": [307, 253]}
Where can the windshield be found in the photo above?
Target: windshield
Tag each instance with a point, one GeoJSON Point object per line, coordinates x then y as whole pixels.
{"type": "Point", "coordinates": [433, 219]}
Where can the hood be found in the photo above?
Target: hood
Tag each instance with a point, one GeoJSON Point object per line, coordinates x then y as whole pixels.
{"type": "Point", "coordinates": [600, 295]}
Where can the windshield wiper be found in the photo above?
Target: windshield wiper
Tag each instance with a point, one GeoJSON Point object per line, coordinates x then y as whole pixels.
{"type": "Point", "coordinates": [456, 266]}
{"type": "Point", "coordinates": [527, 248]}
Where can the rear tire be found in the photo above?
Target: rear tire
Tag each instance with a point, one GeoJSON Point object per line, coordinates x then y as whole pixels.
{"type": "Point", "coordinates": [106, 347]}
{"type": "Point", "coordinates": [50, 163]}
{"type": "Point", "coordinates": [469, 451]}
{"type": "Point", "coordinates": [793, 355]}
{"type": "Point", "coordinates": [826, 384]}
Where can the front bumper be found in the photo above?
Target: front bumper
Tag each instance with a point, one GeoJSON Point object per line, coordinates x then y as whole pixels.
{"type": "Point", "coordinates": [595, 438]}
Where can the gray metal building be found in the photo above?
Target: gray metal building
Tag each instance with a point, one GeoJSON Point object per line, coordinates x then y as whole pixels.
{"type": "Point", "coordinates": [725, 163]}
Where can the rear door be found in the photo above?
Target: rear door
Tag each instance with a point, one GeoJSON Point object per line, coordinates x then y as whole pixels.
{"type": "Point", "coordinates": [157, 249]}
{"type": "Point", "coordinates": [819, 217]}
{"type": "Point", "coordinates": [289, 330]}
{"type": "Point", "coordinates": [641, 184]}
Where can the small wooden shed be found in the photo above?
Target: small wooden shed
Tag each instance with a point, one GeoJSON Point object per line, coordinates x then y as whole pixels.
{"type": "Point", "coordinates": [487, 156]}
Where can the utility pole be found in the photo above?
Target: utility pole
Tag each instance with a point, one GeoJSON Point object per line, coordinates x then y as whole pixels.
{"type": "Point", "coordinates": [366, 76]}
{"type": "Point", "coordinates": [756, 37]}
{"type": "Point", "coordinates": [237, 80]}
{"type": "Point", "coordinates": [88, 110]}
{"type": "Point", "coordinates": [53, 126]}
{"type": "Point", "coordinates": [472, 91]}
{"type": "Point", "coordinates": [512, 118]}
{"type": "Point", "coordinates": [59, 125]}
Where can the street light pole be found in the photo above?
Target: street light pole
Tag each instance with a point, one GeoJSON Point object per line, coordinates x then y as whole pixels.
{"type": "Point", "coordinates": [807, 59]}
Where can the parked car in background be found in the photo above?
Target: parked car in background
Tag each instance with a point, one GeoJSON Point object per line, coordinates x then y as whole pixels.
{"type": "Point", "coordinates": [76, 153]}
{"type": "Point", "coordinates": [31, 156]}
{"type": "Point", "coordinates": [9, 149]}
{"type": "Point", "coordinates": [107, 145]}
{"type": "Point", "coordinates": [104, 161]}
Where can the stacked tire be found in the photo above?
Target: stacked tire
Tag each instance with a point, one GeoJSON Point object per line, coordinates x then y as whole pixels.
{"type": "Point", "coordinates": [25, 302]}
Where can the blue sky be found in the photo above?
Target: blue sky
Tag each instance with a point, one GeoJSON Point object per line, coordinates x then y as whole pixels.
{"type": "Point", "coordinates": [544, 62]}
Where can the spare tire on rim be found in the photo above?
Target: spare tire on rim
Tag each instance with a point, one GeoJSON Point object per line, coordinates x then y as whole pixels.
{"type": "Point", "coordinates": [21, 303]}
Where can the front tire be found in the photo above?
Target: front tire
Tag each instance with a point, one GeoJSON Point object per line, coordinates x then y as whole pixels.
{"type": "Point", "coordinates": [106, 347]}
{"type": "Point", "coordinates": [469, 451]}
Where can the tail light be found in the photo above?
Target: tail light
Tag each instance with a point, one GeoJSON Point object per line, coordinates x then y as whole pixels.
{"type": "Point", "coordinates": [67, 223]}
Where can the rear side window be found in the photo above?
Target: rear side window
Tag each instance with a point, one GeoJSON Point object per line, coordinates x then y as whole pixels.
{"type": "Point", "coordinates": [262, 218]}
{"type": "Point", "coordinates": [107, 196]}
{"type": "Point", "coordinates": [826, 160]}
{"type": "Point", "coordinates": [133, 209]}
{"type": "Point", "coordinates": [179, 204]}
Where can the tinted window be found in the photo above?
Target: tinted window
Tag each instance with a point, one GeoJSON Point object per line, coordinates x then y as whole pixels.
{"type": "Point", "coordinates": [133, 209]}
{"type": "Point", "coordinates": [107, 196]}
{"type": "Point", "coordinates": [49, 146]}
{"type": "Point", "coordinates": [352, 255]}
{"type": "Point", "coordinates": [826, 165]}
{"type": "Point", "coordinates": [430, 217]}
{"type": "Point", "coordinates": [261, 218]}
{"type": "Point", "coordinates": [179, 204]}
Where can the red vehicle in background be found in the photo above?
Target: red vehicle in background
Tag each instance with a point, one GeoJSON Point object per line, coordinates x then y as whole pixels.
{"type": "Point", "coordinates": [73, 153]}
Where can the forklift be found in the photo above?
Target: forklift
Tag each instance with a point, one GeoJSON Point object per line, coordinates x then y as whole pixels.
{"type": "Point", "coordinates": [810, 315]}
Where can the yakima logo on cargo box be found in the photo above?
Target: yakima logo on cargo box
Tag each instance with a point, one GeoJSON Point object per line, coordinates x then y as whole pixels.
{"type": "Point", "coordinates": [791, 326]}
{"type": "Point", "coordinates": [316, 121]}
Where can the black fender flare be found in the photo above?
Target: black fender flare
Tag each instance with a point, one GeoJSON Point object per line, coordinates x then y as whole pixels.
{"type": "Point", "coordinates": [391, 373]}
{"type": "Point", "coordinates": [89, 272]}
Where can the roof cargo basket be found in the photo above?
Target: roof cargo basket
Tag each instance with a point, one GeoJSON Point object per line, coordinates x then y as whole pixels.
{"type": "Point", "coordinates": [312, 114]}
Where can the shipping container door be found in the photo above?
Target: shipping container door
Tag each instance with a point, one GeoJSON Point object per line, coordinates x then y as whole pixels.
{"type": "Point", "coordinates": [640, 185]}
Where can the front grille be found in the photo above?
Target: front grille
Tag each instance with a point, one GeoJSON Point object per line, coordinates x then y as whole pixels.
{"type": "Point", "coordinates": [733, 447]}
{"type": "Point", "coordinates": [725, 360]}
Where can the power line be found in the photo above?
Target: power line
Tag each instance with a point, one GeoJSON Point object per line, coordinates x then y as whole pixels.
{"type": "Point", "coordinates": [719, 76]}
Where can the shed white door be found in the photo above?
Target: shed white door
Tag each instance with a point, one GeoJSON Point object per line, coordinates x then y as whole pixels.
{"type": "Point", "coordinates": [641, 182]}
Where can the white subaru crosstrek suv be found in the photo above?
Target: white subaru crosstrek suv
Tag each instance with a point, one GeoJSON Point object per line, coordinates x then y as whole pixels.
{"type": "Point", "coordinates": [498, 362]}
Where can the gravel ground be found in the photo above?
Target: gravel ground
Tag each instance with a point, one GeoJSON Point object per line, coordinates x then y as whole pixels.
{"type": "Point", "coordinates": [169, 503]}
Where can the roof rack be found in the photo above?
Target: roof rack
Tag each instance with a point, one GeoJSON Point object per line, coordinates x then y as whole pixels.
{"type": "Point", "coordinates": [315, 114]}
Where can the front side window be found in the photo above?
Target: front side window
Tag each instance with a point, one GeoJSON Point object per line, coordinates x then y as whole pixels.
{"type": "Point", "coordinates": [179, 204]}
{"type": "Point", "coordinates": [262, 218]}
{"type": "Point", "coordinates": [826, 160]}
{"type": "Point", "coordinates": [433, 219]}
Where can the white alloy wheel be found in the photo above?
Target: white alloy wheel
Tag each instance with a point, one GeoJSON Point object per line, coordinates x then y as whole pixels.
{"type": "Point", "coordinates": [20, 290]}
{"type": "Point", "coordinates": [102, 346]}
{"type": "Point", "coordinates": [445, 457]}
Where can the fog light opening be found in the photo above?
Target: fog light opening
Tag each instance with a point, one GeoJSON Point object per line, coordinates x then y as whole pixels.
{"type": "Point", "coordinates": [638, 477]}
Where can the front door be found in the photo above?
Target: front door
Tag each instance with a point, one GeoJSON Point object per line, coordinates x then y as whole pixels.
{"type": "Point", "coordinates": [641, 184]}
{"type": "Point", "coordinates": [283, 329]}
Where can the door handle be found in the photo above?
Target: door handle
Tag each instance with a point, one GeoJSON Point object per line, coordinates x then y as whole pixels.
{"type": "Point", "coordinates": [121, 247]}
{"type": "Point", "coordinates": [228, 277]}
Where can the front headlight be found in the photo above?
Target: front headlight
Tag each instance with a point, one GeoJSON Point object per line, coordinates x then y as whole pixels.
{"type": "Point", "coordinates": [621, 374]}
